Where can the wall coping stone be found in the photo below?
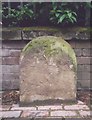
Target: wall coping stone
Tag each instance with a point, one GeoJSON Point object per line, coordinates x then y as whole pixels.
{"type": "Point", "coordinates": [28, 33]}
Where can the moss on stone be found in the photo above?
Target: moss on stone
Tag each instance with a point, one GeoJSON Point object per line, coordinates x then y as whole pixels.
{"type": "Point", "coordinates": [30, 32]}
{"type": "Point", "coordinates": [51, 46]}
{"type": "Point", "coordinates": [37, 28]}
{"type": "Point", "coordinates": [87, 30]}
{"type": "Point", "coordinates": [49, 29]}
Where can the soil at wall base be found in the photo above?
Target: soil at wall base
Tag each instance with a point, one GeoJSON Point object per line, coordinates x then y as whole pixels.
{"type": "Point", "coordinates": [12, 97]}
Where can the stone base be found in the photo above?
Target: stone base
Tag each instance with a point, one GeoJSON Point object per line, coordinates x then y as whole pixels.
{"type": "Point", "coordinates": [47, 102]}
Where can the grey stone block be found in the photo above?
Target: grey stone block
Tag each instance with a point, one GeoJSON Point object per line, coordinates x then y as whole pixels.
{"type": "Point", "coordinates": [9, 34]}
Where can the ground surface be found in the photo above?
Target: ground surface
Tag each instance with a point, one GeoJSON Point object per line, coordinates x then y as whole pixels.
{"type": "Point", "coordinates": [12, 97]}
{"type": "Point", "coordinates": [10, 110]}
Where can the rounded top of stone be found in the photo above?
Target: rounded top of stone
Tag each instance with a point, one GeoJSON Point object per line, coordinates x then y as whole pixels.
{"type": "Point", "coordinates": [51, 45]}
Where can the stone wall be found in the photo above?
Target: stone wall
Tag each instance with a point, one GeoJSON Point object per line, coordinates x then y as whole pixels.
{"type": "Point", "coordinates": [12, 46]}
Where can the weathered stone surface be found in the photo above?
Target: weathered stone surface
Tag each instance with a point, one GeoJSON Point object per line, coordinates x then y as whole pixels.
{"type": "Point", "coordinates": [31, 32]}
{"type": "Point", "coordinates": [47, 70]}
{"type": "Point", "coordinates": [24, 108]}
{"type": "Point", "coordinates": [76, 107]}
{"type": "Point", "coordinates": [64, 114]}
{"type": "Point", "coordinates": [10, 114]}
{"type": "Point", "coordinates": [10, 34]}
{"type": "Point", "coordinates": [85, 113]}
{"type": "Point", "coordinates": [34, 114]}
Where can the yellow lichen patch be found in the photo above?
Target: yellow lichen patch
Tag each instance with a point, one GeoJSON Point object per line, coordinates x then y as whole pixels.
{"type": "Point", "coordinates": [51, 45]}
{"type": "Point", "coordinates": [51, 29]}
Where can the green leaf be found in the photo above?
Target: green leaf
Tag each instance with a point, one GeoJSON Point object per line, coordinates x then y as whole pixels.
{"type": "Point", "coordinates": [57, 14]}
{"type": "Point", "coordinates": [61, 18]}
{"type": "Point", "coordinates": [74, 13]}
{"type": "Point", "coordinates": [71, 20]}
{"type": "Point", "coordinates": [74, 18]}
{"type": "Point", "coordinates": [88, 4]}
{"type": "Point", "coordinates": [69, 15]}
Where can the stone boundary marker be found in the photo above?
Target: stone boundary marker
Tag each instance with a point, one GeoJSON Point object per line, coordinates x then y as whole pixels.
{"type": "Point", "coordinates": [78, 111]}
{"type": "Point", "coordinates": [47, 66]}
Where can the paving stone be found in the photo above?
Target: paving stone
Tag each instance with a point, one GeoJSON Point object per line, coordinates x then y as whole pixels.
{"type": "Point", "coordinates": [5, 107]}
{"type": "Point", "coordinates": [50, 119]}
{"type": "Point", "coordinates": [76, 107]}
{"type": "Point", "coordinates": [10, 114]}
{"type": "Point", "coordinates": [43, 111]}
{"type": "Point", "coordinates": [23, 108]}
{"type": "Point", "coordinates": [63, 113]}
{"type": "Point", "coordinates": [77, 118]}
{"type": "Point", "coordinates": [85, 113]}
{"type": "Point", "coordinates": [55, 107]}
{"type": "Point", "coordinates": [29, 113]}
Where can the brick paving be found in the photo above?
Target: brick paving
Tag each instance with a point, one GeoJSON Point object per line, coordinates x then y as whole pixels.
{"type": "Point", "coordinates": [79, 110]}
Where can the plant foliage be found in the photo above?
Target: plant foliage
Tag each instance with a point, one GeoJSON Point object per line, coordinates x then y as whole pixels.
{"type": "Point", "coordinates": [57, 13]}
{"type": "Point", "coordinates": [61, 15]}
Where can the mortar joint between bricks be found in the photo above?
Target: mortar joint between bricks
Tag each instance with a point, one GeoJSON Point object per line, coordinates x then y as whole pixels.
{"type": "Point", "coordinates": [63, 107]}
{"type": "Point", "coordinates": [36, 107]}
{"type": "Point", "coordinates": [21, 113]}
{"type": "Point", "coordinates": [49, 112]}
{"type": "Point", "coordinates": [21, 35]}
{"type": "Point", "coordinates": [78, 113]}
{"type": "Point", "coordinates": [10, 108]}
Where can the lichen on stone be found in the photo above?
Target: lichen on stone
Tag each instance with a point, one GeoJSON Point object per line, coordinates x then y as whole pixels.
{"type": "Point", "coordinates": [51, 46]}
{"type": "Point", "coordinates": [49, 29]}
